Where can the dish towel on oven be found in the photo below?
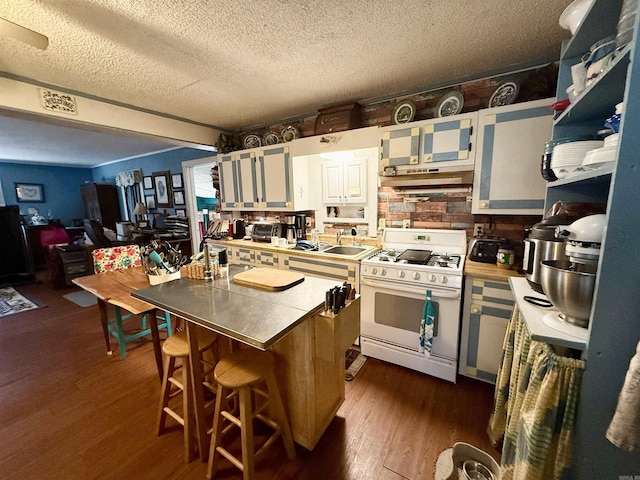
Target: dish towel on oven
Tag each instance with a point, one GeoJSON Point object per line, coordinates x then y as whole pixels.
{"type": "Point", "coordinates": [426, 326]}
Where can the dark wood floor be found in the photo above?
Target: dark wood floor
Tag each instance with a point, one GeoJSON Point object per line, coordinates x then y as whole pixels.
{"type": "Point", "coordinates": [68, 411]}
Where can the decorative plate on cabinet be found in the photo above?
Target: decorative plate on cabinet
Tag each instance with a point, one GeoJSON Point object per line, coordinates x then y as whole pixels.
{"type": "Point", "coordinates": [251, 141]}
{"type": "Point", "coordinates": [270, 138]}
{"type": "Point", "coordinates": [404, 112]}
{"type": "Point", "coordinates": [450, 104]}
{"type": "Point", "coordinates": [505, 94]}
{"type": "Point", "coordinates": [289, 133]}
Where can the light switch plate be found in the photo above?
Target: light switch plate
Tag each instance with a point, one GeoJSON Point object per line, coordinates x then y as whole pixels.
{"type": "Point", "coordinates": [406, 223]}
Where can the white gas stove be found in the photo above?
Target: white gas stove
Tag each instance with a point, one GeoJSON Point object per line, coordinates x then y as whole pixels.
{"type": "Point", "coordinates": [419, 258]}
{"type": "Point", "coordinates": [394, 282]}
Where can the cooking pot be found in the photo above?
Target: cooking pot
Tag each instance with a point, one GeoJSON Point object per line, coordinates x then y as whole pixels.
{"type": "Point", "coordinates": [541, 245]}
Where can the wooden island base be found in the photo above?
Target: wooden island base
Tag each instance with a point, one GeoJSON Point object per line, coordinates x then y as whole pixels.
{"type": "Point", "coordinates": [310, 363]}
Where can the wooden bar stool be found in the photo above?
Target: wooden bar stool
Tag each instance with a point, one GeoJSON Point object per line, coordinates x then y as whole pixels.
{"type": "Point", "coordinates": [244, 372]}
{"type": "Point", "coordinates": [177, 347]}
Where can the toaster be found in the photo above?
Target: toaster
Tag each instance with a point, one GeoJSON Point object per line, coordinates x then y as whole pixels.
{"type": "Point", "coordinates": [263, 231]}
{"type": "Point", "coordinates": [485, 249]}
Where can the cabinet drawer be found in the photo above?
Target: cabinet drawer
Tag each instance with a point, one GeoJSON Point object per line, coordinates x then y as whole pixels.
{"type": "Point", "coordinates": [267, 259]}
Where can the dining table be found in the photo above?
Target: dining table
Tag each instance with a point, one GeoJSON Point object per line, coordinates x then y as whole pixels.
{"type": "Point", "coordinates": [114, 288]}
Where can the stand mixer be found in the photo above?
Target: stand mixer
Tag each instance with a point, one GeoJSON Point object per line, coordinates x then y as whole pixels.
{"type": "Point", "coordinates": [569, 283]}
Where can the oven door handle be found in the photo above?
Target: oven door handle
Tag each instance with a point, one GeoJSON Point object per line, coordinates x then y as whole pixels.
{"type": "Point", "coordinates": [405, 288]}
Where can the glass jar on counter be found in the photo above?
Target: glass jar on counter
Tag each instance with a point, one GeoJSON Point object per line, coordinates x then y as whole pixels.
{"type": "Point", "coordinates": [505, 257]}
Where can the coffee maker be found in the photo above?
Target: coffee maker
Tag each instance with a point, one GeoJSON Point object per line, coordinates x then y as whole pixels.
{"type": "Point", "coordinates": [289, 228]}
{"type": "Point", "coordinates": [301, 227]}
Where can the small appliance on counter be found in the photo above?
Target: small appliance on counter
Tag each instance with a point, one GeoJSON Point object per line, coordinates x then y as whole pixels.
{"type": "Point", "coordinates": [289, 228]}
{"type": "Point", "coordinates": [239, 228]}
{"type": "Point", "coordinates": [485, 249]}
{"type": "Point", "coordinates": [569, 283]}
{"type": "Point", "coordinates": [542, 244]}
{"type": "Point", "coordinates": [263, 231]}
{"type": "Point", "coordinates": [301, 227]}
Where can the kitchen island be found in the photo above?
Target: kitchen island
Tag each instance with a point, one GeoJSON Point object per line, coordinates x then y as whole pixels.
{"type": "Point", "coordinates": [309, 344]}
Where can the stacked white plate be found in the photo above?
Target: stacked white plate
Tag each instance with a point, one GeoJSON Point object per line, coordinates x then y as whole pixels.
{"type": "Point", "coordinates": [567, 157]}
{"type": "Point", "coordinates": [601, 156]}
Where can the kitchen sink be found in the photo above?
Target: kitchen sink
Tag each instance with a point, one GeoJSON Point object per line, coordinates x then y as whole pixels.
{"type": "Point", "coordinates": [344, 250]}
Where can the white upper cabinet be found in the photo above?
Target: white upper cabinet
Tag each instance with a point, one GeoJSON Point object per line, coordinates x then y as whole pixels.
{"type": "Point", "coordinates": [344, 181]}
{"type": "Point", "coordinates": [434, 145]}
{"type": "Point", "coordinates": [264, 179]}
{"type": "Point", "coordinates": [510, 143]}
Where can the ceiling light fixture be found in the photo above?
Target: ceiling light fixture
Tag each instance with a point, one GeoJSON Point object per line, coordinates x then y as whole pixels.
{"type": "Point", "coordinates": [35, 39]}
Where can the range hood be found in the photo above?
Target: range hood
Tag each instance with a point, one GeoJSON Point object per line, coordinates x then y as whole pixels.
{"type": "Point", "coordinates": [419, 177]}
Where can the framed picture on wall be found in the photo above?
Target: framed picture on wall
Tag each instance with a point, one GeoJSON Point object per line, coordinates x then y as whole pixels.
{"type": "Point", "coordinates": [180, 212]}
{"type": "Point", "coordinates": [30, 192]}
{"type": "Point", "coordinates": [178, 198]}
{"type": "Point", "coordinates": [148, 183]}
{"type": "Point", "coordinates": [162, 186]}
{"type": "Point", "coordinates": [176, 180]}
{"type": "Point", "coordinates": [150, 200]}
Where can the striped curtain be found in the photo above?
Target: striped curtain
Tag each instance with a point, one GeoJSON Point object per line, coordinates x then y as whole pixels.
{"type": "Point", "coordinates": [535, 404]}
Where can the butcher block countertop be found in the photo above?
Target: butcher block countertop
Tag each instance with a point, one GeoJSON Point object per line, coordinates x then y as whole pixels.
{"type": "Point", "coordinates": [489, 271]}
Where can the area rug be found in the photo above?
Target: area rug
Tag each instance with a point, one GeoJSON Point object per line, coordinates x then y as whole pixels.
{"type": "Point", "coordinates": [82, 298]}
{"type": "Point", "coordinates": [13, 302]}
{"type": "Point", "coordinates": [353, 362]}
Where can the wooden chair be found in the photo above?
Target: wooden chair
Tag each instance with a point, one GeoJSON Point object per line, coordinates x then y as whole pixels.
{"type": "Point", "coordinates": [176, 348]}
{"type": "Point", "coordinates": [245, 372]}
{"type": "Point", "coordinates": [119, 258]}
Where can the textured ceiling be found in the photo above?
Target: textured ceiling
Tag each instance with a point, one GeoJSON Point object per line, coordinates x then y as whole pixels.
{"type": "Point", "coordinates": [234, 64]}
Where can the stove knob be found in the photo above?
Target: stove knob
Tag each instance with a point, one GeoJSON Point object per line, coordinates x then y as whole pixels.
{"type": "Point", "coordinates": [401, 274]}
{"type": "Point", "coordinates": [415, 276]}
{"type": "Point", "coordinates": [383, 272]}
{"type": "Point", "coordinates": [444, 279]}
{"type": "Point", "coordinates": [432, 277]}
{"type": "Point", "coordinates": [374, 270]}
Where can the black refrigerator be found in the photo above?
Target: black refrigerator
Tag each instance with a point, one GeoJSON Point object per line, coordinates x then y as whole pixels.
{"type": "Point", "coordinates": [16, 265]}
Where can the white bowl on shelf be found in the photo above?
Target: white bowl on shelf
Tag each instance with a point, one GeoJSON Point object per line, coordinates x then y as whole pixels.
{"type": "Point", "coordinates": [600, 156]}
{"type": "Point", "coordinates": [573, 15]}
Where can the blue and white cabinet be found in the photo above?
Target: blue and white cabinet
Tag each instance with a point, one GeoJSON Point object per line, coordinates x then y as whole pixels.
{"type": "Point", "coordinates": [488, 305]}
{"type": "Point", "coordinates": [439, 144]}
{"type": "Point", "coordinates": [264, 179]}
{"type": "Point", "coordinates": [510, 143]}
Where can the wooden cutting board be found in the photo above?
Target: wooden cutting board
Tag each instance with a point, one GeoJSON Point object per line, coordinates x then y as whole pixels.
{"type": "Point", "coordinates": [268, 279]}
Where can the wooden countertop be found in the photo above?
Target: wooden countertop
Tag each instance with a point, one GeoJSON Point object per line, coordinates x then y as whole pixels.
{"type": "Point", "coordinates": [489, 271]}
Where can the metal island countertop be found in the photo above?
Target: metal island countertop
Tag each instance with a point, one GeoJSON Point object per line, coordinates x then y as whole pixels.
{"type": "Point", "coordinates": [252, 316]}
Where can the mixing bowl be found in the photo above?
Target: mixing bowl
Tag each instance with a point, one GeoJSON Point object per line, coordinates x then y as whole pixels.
{"type": "Point", "coordinates": [569, 286]}
{"type": "Point", "coordinates": [476, 471]}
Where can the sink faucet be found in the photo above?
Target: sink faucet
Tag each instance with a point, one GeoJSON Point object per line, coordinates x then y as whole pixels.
{"type": "Point", "coordinates": [339, 234]}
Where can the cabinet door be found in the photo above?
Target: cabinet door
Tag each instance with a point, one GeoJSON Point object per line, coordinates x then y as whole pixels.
{"type": "Point", "coordinates": [446, 142]}
{"type": "Point", "coordinates": [332, 182]}
{"type": "Point", "coordinates": [246, 185]}
{"type": "Point", "coordinates": [227, 170]}
{"type": "Point", "coordinates": [488, 305]}
{"type": "Point", "coordinates": [355, 181]}
{"type": "Point", "coordinates": [507, 176]}
{"type": "Point", "coordinates": [274, 178]}
{"type": "Point", "coordinates": [400, 146]}
{"type": "Point", "coordinates": [344, 182]}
